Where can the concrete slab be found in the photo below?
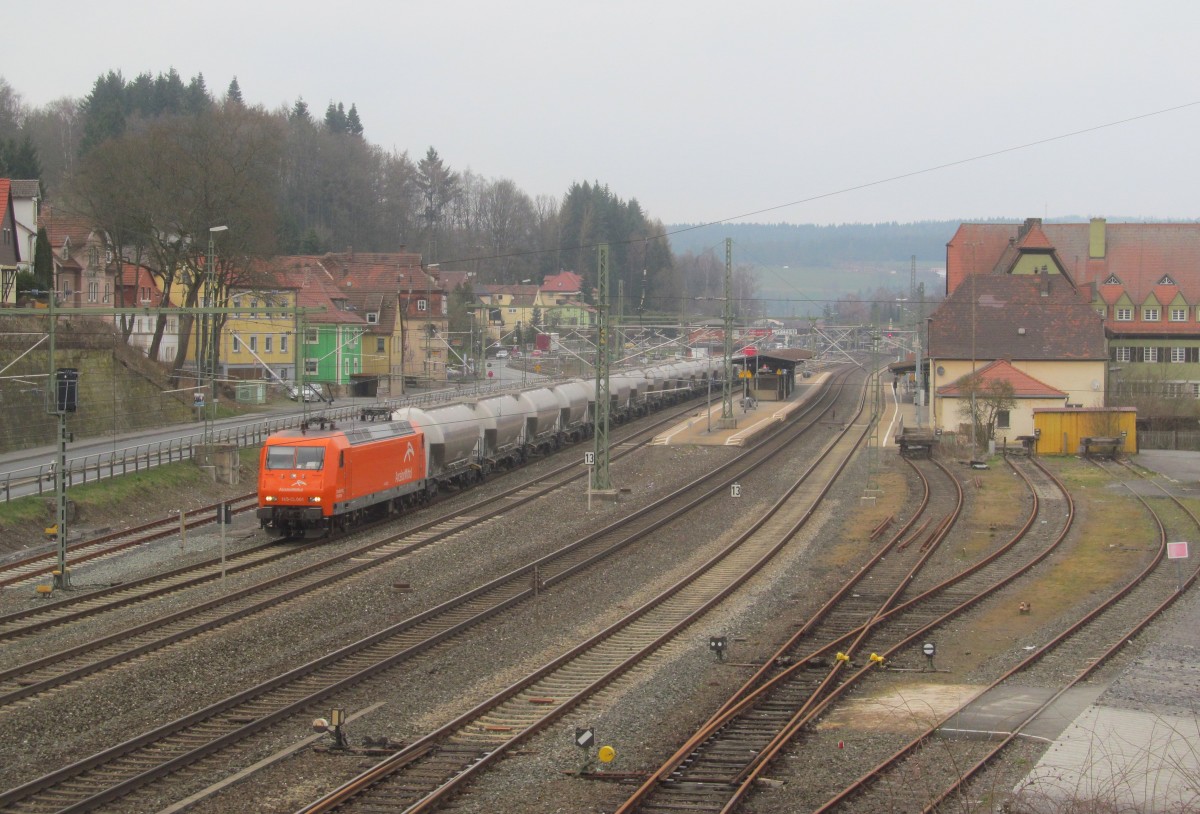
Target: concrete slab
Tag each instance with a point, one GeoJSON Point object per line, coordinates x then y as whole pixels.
{"type": "Point", "coordinates": [1001, 710]}
{"type": "Point", "coordinates": [1116, 760]}
{"type": "Point", "coordinates": [1181, 466]}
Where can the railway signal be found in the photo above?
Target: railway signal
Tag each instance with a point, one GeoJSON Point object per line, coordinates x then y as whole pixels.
{"type": "Point", "coordinates": [585, 737]}
{"type": "Point", "coordinates": [929, 649]}
{"type": "Point", "coordinates": [719, 645]}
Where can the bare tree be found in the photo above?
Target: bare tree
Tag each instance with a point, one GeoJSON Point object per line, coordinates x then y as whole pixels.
{"type": "Point", "coordinates": [991, 397]}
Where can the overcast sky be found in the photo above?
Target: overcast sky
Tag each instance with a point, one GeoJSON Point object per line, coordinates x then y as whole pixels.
{"type": "Point", "coordinates": [705, 111]}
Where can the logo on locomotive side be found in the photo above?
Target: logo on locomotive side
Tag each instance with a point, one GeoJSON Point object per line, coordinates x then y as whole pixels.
{"type": "Point", "coordinates": [409, 453]}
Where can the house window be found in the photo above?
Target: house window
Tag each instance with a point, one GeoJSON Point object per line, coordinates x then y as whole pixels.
{"type": "Point", "coordinates": [310, 366]}
{"type": "Point", "coordinates": [237, 344]}
{"type": "Point", "coordinates": [1124, 354]}
{"type": "Point", "coordinates": [93, 291]}
{"type": "Point", "coordinates": [283, 343]}
{"type": "Point", "coordinates": [253, 309]}
{"type": "Point", "coordinates": [267, 343]}
{"type": "Point", "coordinates": [1149, 354]}
{"type": "Point", "coordinates": [1002, 420]}
{"type": "Point", "coordinates": [253, 344]}
{"type": "Point", "coordinates": [372, 318]}
{"type": "Point", "coordinates": [1179, 315]}
{"type": "Point", "coordinates": [422, 305]}
{"type": "Point", "coordinates": [310, 336]}
{"type": "Point", "coordinates": [1103, 312]}
{"type": "Point", "coordinates": [1178, 355]}
{"type": "Point", "coordinates": [1149, 314]}
{"type": "Point", "coordinates": [1196, 389]}
{"type": "Point", "coordinates": [512, 310]}
{"type": "Point", "coordinates": [1124, 314]}
{"type": "Point", "coordinates": [379, 340]}
{"type": "Point", "coordinates": [108, 292]}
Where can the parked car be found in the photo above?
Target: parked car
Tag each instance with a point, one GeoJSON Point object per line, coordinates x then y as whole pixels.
{"type": "Point", "coordinates": [501, 354]}
{"type": "Point", "coordinates": [311, 393]}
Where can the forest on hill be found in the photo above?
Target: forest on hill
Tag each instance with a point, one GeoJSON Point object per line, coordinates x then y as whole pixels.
{"type": "Point", "coordinates": [155, 160]}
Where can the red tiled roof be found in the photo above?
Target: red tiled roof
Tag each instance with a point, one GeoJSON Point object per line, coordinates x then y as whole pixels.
{"type": "Point", "coordinates": [1024, 385]}
{"type": "Point", "coordinates": [1035, 238]}
{"type": "Point", "coordinates": [567, 281]}
{"type": "Point", "coordinates": [60, 225]}
{"type": "Point", "coordinates": [1016, 317]}
{"type": "Point", "coordinates": [1138, 253]}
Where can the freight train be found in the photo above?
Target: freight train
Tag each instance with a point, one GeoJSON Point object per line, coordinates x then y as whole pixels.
{"type": "Point", "coordinates": [321, 478]}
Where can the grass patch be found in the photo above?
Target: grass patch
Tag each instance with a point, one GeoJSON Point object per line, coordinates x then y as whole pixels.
{"type": "Point", "coordinates": [152, 492]}
{"type": "Point", "coordinates": [861, 520]}
{"type": "Point", "coordinates": [1112, 537]}
{"type": "Point", "coordinates": [997, 508]}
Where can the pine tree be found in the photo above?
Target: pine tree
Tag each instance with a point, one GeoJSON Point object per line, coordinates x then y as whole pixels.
{"type": "Point", "coordinates": [300, 111]}
{"type": "Point", "coordinates": [198, 100]}
{"type": "Point", "coordinates": [335, 118]}
{"type": "Point", "coordinates": [234, 94]}
{"type": "Point", "coordinates": [353, 124]}
{"type": "Point", "coordinates": [43, 262]}
{"type": "Point", "coordinates": [104, 109]}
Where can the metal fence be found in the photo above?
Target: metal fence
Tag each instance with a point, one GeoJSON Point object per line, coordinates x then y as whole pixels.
{"type": "Point", "coordinates": [1169, 439]}
{"type": "Point", "coordinates": [114, 462]}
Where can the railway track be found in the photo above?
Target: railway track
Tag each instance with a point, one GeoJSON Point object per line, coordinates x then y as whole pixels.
{"type": "Point", "coordinates": [430, 771]}
{"type": "Point", "coordinates": [17, 572]}
{"type": "Point", "coordinates": [119, 771]}
{"type": "Point", "coordinates": [1078, 650]}
{"type": "Point", "coordinates": [22, 682]}
{"type": "Point", "coordinates": [719, 765]}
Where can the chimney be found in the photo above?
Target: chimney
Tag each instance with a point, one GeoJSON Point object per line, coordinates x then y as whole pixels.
{"type": "Point", "coordinates": [1027, 225]}
{"type": "Point", "coordinates": [1096, 239]}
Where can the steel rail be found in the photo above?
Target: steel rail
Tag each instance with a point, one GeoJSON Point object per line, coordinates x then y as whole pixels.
{"type": "Point", "coordinates": [33, 678]}
{"type": "Point", "coordinates": [458, 734]}
{"type": "Point", "coordinates": [730, 710]}
{"type": "Point", "coordinates": [352, 664]}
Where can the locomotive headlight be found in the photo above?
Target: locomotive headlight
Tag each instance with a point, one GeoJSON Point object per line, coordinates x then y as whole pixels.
{"type": "Point", "coordinates": [315, 499]}
{"type": "Point", "coordinates": [268, 498]}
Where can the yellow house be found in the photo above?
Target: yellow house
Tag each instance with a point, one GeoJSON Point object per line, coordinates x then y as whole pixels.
{"type": "Point", "coordinates": [258, 340]}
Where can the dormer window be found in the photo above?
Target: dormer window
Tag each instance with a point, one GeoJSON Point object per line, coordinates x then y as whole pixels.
{"type": "Point", "coordinates": [1166, 280]}
{"type": "Point", "coordinates": [1150, 313]}
{"type": "Point", "coordinates": [372, 318]}
{"type": "Point", "coordinates": [1112, 280]}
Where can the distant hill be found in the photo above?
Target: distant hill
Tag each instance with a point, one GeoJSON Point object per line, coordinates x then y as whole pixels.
{"type": "Point", "coordinates": [801, 268]}
{"type": "Point", "coordinates": [808, 245]}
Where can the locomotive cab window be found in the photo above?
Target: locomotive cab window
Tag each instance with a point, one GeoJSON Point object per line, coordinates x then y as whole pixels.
{"type": "Point", "coordinates": [285, 457]}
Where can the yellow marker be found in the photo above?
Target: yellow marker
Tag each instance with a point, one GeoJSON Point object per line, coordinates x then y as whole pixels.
{"type": "Point", "coordinates": [842, 657]}
{"type": "Point", "coordinates": [878, 659]}
{"type": "Point", "coordinates": [606, 754]}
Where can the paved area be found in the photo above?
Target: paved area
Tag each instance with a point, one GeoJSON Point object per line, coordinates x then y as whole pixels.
{"type": "Point", "coordinates": [704, 427]}
{"type": "Point", "coordinates": [1178, 465]}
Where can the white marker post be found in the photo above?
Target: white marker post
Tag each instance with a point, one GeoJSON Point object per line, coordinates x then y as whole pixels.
{"type": "Point", "coordinates": [1177, 552]}
{"type": "Point", "coordinates": [589, 460]}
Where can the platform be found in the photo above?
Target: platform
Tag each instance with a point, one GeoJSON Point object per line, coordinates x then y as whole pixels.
{"type": "Point", "coordinates": [703, 428]}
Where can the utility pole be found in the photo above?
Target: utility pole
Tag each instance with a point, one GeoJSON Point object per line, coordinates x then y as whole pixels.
{"type": "Point", "coordinates": [209, 325]}
{"type": "Point", "coordinates": [600, 478]}
{"type": "Point", "coordinates": [727, 418]}
{"type": "Point", "coordinates": [61, 390]}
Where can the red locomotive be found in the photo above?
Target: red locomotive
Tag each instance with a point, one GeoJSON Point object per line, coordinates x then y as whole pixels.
{"type": "Point", "coordinates": [312, 482]}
